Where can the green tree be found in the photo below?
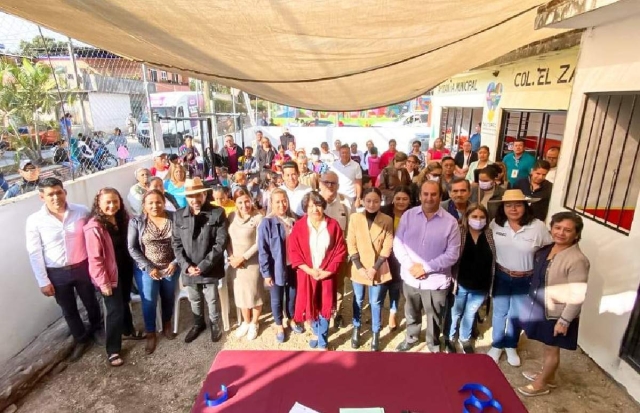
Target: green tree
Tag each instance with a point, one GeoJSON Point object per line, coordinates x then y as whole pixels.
{"type": "Point", "coordinates": [41, 46]}
{"type": "Point", "coordinates": [27, 91]}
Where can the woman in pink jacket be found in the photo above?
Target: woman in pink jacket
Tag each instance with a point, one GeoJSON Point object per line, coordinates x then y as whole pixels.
{"type": "Point", "coordinates": [105, 237]}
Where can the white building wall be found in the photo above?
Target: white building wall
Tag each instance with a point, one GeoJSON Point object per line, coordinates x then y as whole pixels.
{"type": "Point", "coordinates": [109, 111]}
{"type": "Point", "coordinates": [609, 61]}
{"type": "Point", "coordinates": [26, 312]}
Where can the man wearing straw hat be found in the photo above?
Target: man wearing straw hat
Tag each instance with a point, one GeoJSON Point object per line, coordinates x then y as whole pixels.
{"type": "Point", "coordinates": [199, 240]}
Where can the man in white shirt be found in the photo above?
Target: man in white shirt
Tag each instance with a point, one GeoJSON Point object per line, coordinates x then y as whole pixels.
{"type": "Point", "coordinates": [292, 186]}
{"type": "Point", "coordinates": [350, 175]}
{"type": "Point", "coordinates": [552, 156]}
{"type": "Point", "coordinates": [58, 257]}
{"type": "Point", "coordinates": [339, 207]}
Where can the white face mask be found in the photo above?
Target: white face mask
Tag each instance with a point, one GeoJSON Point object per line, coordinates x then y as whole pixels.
{"type": "Point", "coordinates": [434, 178]}
{"type": "Point", "coordinates": [485, 185]}
{"type": "Point", "coordinates": [314, 158]}
{"type": "Point", "coordinates": [477, 224]}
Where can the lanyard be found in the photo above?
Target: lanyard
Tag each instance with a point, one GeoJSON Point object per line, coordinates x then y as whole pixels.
{"type": "Point", "coordinates": [480, 404]}
{"type": "Point", "coordinates": [224, 396]}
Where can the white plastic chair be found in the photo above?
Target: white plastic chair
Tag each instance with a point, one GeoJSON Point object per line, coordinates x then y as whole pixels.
{"type": "Point", "coordinates": [225, 305]}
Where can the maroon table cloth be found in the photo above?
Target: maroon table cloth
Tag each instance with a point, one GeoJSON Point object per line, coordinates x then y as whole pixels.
{"type": "Point", "coordinates": [273, 381]}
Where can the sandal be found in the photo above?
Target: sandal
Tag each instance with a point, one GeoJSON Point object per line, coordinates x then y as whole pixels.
{"type": "Point", "coordinates": [530, 391]}
{"type": "Point", "coordinates": [533, 375]}
{"type": "Point", "coordinates": [115, 360]}
{"type": "Point", "coordinates": [136, 335]}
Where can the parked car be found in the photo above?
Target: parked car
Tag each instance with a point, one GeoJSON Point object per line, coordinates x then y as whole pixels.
{"type": "Point", "coordinates": [412, 119]}
{"type": "Point", "coordinates": [47, 137]}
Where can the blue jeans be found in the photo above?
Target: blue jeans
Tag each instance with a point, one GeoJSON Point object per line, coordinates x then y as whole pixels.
{"type": "Point", "coordinates": [283, 297]}
{"type": "Point", "coordinates": [4, 185]}
{"type": "Point", "coordinates": [376, 298]}
{"type": "Point", "coordinates": [466, 306]}
{"type": "Point", "coordinates": [509, 297]}
{"type": "Point", "coordinates": [320, 328]}
{"type": "Point", "coordinates": [149, 290]}
{"type": "Point", "coordinates": [394, 288]}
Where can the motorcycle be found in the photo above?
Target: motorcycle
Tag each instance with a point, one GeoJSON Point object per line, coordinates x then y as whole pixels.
{"type": "Point", "coordinates": [95, 156]}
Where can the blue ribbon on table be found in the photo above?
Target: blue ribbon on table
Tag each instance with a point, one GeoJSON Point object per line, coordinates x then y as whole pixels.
{"type": "Point", "coordinates": [219, 400]}
{"type": "Point", "coordinates": [474, 401]}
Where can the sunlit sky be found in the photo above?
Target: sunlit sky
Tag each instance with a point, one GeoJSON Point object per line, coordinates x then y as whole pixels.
{"type": "Point", "coordinates": [14, 29]}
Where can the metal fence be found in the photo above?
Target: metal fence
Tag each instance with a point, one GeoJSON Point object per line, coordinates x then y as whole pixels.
{"type": "Point", "coordinates": [104, 95]}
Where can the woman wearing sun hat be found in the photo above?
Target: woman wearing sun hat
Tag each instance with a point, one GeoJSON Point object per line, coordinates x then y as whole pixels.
{"type": "Point", "coordinates": [517, 236]}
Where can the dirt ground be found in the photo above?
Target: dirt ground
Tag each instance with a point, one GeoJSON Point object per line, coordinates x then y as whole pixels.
{"type": "Point", "coordinates": [170, 379]}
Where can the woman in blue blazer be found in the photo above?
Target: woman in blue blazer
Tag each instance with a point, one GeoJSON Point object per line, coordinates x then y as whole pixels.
{"type": "Point", "coordinates": [275, 267]}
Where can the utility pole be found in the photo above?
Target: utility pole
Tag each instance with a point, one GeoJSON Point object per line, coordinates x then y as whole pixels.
{"type": "Point", "coordinates": [233, 109]}
{"type": "Point", "coordinates": [157, 143]}
{"type": "Point", "coordinates": [79, 87]}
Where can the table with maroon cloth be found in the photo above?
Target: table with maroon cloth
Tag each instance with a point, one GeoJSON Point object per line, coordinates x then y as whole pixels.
{"type": "Point", "coordinates": [273, 381]}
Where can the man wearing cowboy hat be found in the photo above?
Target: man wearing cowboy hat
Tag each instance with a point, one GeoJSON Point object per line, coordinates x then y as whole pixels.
{"type": "Point", "coordinates": [199, 240]}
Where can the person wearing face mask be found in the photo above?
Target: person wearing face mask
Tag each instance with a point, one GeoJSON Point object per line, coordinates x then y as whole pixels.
{"type": "Point", "coordinates": [487, 190]}
{"type": "Point", "coordinates": [369, 266]}
{"type": "Point", "coordinates": [473, 276]}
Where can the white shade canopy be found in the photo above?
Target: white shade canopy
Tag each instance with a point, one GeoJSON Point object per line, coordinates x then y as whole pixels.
{"type": "Point", "coordinates": [325, 55]}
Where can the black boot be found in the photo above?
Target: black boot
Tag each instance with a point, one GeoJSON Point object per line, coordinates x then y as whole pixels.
{"type": "Point", "coordinates": [198, 327]}
{"type": "Point", "coordinates": [216, 332]}
{"type": "Point", "coordinates": [467, 347]}
{"type": "Point", "coordinates": [449, 346]}
{"type": "Point", "coordinates": [375, 342]}
{"type": "Point", "coordinates": [355, 337]}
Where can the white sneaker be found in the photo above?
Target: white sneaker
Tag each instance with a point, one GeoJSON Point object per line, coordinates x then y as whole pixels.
{"type": "Point", "coordinates": [242, 330]}
{"type": "Point", "coordinates": [512, 357]}
{"type": "Point", "coordinates": [253, 332]}
{"type": "Point", "coordinates": [495, 354]}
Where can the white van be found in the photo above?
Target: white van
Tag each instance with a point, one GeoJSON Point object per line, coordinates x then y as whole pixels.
{"type": "Point", "coordinates": [172, 105]}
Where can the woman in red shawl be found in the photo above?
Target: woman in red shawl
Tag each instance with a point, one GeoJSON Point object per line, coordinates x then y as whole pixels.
{"type": "Point", "coordinates": [316, 250]}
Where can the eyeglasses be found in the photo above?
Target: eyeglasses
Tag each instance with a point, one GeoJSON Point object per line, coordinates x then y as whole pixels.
{"type": "Point", "coordinates": [30, 169]}
{"type": "Point", "coordinates": [329, 183]}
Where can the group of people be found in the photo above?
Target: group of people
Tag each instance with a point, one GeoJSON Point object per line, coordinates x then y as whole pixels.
{"type": "Point", "coordinates": [445, 233]}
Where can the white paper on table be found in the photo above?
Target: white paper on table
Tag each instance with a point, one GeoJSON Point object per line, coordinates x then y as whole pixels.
{"type": "Point", "coordinates": [299, 408]}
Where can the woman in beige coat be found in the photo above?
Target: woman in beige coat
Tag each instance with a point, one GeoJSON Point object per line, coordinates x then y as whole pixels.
{"type": "Point", "coordinates": [369, 242]}
{"type": "Point", "coordinates": [243, 263]}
